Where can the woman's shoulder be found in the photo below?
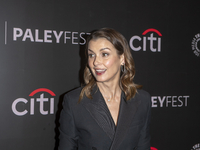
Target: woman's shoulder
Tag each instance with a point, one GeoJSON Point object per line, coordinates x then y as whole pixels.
{"type": "Point", "coordinates": [72, 96]}
{"type": "Point", "coordinates": [141, 92]}
{"type": "Point", "coordinates": [74, 93]}
{"type": "Point", "coordinates": [143, 95]}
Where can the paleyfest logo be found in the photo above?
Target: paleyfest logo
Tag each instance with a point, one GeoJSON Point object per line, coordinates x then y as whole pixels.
{"type": "Point", "coordinates": [170, 101]}
{"type": "Point", "coordinates": [21, 34]}
{"type": "Point", "coordinates": [150, 37]}
{"type": "Point", "coordinates": [22, 106]}
{"type": "Point", "coordinates": [196, 45]}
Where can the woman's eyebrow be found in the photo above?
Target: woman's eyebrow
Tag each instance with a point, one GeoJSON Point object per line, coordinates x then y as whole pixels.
{"type": "Point", "coordinates": [100, 49]}
{"type": "Point", "coordinates": [104, 48]}
{"type": "Point", "coordinates": [90, 50]}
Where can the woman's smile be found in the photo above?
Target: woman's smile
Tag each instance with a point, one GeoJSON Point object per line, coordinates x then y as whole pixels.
{"type": "Point", "coordinates": [100, 71]}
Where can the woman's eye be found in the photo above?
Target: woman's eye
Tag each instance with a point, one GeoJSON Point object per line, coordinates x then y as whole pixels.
{"type": "Point", "coordinates": [105, 54]}
{"type": "Point", "coordinates": [91, 55]}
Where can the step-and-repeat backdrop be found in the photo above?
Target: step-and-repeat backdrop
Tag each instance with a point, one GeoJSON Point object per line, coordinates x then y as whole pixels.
{"type": "Point", "coordinates": [41, 58]}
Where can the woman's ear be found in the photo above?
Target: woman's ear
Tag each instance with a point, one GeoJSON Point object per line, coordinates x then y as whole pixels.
{"type": "Point", "coordinates": [122, 61]}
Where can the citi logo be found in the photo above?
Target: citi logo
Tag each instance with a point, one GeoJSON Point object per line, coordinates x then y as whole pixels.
{"type": "Point", "coordinates": [45, 106]}
{"type": "Point", "coordinates": [151, 38]}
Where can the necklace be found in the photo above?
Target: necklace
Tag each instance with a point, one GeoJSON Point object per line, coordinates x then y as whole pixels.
{"type": "Point", "coordinates": [109, 98]}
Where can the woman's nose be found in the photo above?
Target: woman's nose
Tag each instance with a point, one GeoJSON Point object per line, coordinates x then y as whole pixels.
{"type": "Point", "coordinates": [97, 61]}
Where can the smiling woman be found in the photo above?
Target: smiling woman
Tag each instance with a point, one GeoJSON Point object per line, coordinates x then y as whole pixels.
{"type": "Point", "coordinates": [117, 44]}
{"type": "Point", "coordinates": [104, 61]}
{"type": "Point", "coordinates": [112, 113]}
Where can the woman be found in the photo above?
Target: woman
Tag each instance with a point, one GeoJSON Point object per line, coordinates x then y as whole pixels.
{"type": "Point", "coordinates": [110, 112]}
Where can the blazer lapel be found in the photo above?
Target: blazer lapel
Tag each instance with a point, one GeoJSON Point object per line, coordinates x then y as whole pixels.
{"type": "Point", "coordinates": [127, 112]}
{"type": "Point", "coordinates": [99, 112]}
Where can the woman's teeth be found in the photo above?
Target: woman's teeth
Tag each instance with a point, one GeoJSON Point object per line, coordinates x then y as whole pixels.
{"type": "Point", "coordinates": [100, 70]}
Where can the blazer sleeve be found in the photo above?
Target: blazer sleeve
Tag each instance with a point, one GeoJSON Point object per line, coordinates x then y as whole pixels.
{"type": "Point", "coordinates": [144, 140]}
{"type": "Point", "coordinates": [68, 134]}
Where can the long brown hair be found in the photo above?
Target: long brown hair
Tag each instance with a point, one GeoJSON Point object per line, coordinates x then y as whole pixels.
{"type": "Point", "coordinates": [126, 80]}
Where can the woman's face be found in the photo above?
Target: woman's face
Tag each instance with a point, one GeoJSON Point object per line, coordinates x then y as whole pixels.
{"type": "Point", "coordinates": [103, 60]}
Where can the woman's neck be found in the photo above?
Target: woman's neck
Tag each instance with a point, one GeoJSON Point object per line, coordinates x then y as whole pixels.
{"type": "Point", "coordinates": [109, 91]}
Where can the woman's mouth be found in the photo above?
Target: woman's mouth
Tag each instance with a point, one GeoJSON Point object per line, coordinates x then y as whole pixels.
{"type": "Point", "coordinates": [100, 71]}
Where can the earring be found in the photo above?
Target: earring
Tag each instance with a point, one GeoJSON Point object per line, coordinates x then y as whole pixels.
{"type": "Point", "coordinates": [123, 67]}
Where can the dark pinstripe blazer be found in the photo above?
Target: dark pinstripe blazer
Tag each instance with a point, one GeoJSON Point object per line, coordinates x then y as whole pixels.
{"type": "Point", "coordinates": [88, 125]}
